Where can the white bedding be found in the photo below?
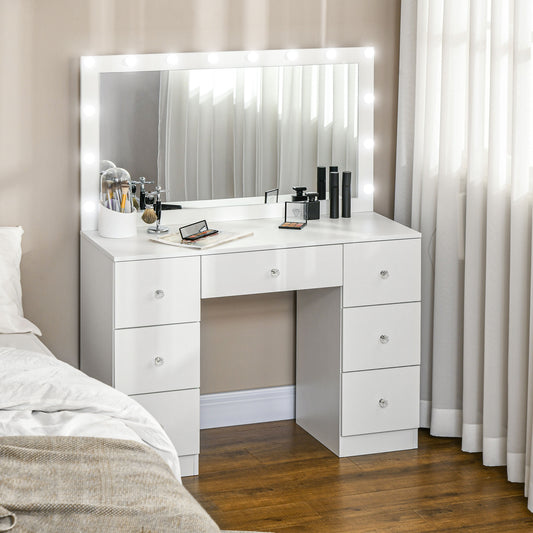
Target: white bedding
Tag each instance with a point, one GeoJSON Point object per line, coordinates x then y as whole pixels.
{"type": "Point", "coordinates": [26, 341]}
{"type": "Point", "coordinates": [40, 395]}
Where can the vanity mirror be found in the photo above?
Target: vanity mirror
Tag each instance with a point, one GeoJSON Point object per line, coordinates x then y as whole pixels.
{"type": "Point", "coordinates": [221, 129]}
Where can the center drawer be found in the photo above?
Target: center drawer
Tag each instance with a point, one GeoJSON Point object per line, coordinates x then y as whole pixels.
{"type": "Point", "coordinates": [159, 358]}
{"type": "Point", "coordinates": [271, 271]}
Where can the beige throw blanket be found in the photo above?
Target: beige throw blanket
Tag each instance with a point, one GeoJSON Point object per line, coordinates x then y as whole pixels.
{"type": "Point", "coordinates": [85, 484]}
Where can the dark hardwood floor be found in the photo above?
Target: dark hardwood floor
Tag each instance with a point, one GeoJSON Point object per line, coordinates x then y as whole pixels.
{"type": "Point", "coordinates": [276, 477]}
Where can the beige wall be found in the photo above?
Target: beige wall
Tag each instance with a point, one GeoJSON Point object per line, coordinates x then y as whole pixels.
{"type": "Point", "coordinates": [40, 45]}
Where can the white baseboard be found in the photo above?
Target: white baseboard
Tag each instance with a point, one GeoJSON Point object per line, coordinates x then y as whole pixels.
{"type": "Point", "coordinates": [247, 407]}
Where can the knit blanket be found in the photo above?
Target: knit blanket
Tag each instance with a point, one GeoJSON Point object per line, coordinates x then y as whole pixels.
{"type": "Point", "coordinates": [88, 484]}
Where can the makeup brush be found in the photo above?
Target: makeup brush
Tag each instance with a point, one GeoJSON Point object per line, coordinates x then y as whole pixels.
{"type": "Point", "coordinates": [149, 216]}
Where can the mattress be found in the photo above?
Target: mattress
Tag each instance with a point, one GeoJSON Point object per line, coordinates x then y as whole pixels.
{"type": "Point", "coordinates": [23, 341]}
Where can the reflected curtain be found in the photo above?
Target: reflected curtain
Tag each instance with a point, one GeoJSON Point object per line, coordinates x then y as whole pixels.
{"type": "Point", "coordinates": [229, 133]}
{"type": "Point", "coordinates": [464, 178]}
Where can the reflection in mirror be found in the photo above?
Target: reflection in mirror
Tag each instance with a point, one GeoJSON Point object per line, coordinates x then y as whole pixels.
{"type": "Point", "coordinates": [231, 133]}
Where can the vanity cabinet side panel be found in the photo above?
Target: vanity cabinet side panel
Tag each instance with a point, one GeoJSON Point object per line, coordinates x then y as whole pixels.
{"type": "Point", "coordinates": [318, 364]}
{"type": "Point", "coordinates": [96, 312]}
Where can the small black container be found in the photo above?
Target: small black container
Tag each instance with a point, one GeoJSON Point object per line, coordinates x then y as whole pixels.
{"type": "Point", "coordinates": [346, 194]}
{"type": "Point", "coordinates": [321, 182]}
{"type": "Point", "coordinates": [333, 195]}
{"type": "Point", "coordinates": [313, 209]}
{"type": "Point", "coordinates": [299, 196]}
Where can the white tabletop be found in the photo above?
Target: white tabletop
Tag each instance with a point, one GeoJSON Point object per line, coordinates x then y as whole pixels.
{"type": "Point", "coordinates": [361, 227]}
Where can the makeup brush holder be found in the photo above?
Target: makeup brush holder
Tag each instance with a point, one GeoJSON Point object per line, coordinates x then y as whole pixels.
{"type": "Point", "coordinates": [116, 225]}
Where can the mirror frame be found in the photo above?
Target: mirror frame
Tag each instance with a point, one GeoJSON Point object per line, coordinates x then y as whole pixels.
{"type": "Point", "coordinates": [92, 66]}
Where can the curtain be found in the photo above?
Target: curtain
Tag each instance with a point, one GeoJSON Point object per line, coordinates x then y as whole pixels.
{"type": "Point", "coordinates": [464, 179]}
{"type": "Point", "coordinates": [237, 132]}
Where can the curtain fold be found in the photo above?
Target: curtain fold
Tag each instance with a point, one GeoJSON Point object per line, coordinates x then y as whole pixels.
{"type": "Point", "coordinates": [466, 85]}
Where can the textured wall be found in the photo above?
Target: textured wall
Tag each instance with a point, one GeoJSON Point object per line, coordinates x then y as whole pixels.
{"type": "Point", "coordinates": [40, 45]}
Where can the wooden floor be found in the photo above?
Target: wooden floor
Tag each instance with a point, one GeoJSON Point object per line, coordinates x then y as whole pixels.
{"type": "Point", "coordinates": [276, 477]}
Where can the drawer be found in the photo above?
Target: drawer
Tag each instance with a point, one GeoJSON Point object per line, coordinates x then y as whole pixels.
{"type": "Point", "coordinates": [271, 271]}
{"type": "Point", "coordinates": [159, 358]}
{"type": "Point", "coordinates": [381, 336]}
{"type": "Point", "coordinates": [179, 414]}
{"type": "Point", "coordinates": [380, 400]}
{"type": "Point", "coordinates": [381, 272]}
{"type": "Point", "coordinates": [161, 291]}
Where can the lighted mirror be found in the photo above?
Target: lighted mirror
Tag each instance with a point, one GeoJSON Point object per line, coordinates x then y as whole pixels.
{"type": "Point", "coordinates": [224, 128]}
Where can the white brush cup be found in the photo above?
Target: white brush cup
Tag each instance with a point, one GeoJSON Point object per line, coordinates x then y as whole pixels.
{"type": "Point", "coordinates": [115, 225]}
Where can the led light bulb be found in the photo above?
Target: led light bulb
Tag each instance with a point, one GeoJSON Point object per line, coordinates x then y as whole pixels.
{"type": "Point", "coordinates": [89, 110]}
{"type": "Point", "coordinates": [252, 57]}
{"type": "Point", "coordinates": [369, 52]}
{"type": "Point", "coordinates": [292, 55]}
{"type": "Point", "coordinates": [130, 61]}
{"type": "Point", "coordinates": [368, 189]}
{"type": "Point", "coordinates": [369, 98]}
{"type": "Point", "coordinates": [369, 144]}
{"type": "Point", "coordinates": [172, 59]}
{"type": "Point", "coordinates": [88, 61]}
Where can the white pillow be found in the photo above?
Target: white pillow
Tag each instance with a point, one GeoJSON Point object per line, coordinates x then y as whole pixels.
{"type": "Point", "coordinates": [11, 316]}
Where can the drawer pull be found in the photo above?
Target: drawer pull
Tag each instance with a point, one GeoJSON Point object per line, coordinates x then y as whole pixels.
{"type": "Point", "coordinates": [274, 272]}
{"type": "Point", "coordinates": [384, 274]}
{"type": "Point", "coordinates": [383, 403]}
{"type": "Point", "coordinates": [159, 294]}
{"type": "Point", "coordinates": [158, 361]}
{"type": "Point", "coordinates": [384, 339]}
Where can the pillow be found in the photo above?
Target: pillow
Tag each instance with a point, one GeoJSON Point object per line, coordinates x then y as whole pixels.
{"type": "Point", "coordinates": [11, 316]}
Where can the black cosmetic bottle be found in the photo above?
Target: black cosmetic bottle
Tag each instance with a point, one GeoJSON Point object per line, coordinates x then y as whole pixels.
{"type": "Point", "coordinates": [333, 195]}
{"type": "Point", "coordinates": [321, 182]}
{"type": "Point", "coordinates": [346, 194]}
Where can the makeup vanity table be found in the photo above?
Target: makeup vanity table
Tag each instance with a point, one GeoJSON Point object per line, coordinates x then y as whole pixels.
{"type": "Point", "coordinates": [358, 324]}
{"type": "Point", "coordinates": [357, 279]}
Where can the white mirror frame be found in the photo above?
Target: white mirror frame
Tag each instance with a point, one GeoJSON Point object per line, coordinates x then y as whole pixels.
{"type": "Point", "coordinates": [92, 66]}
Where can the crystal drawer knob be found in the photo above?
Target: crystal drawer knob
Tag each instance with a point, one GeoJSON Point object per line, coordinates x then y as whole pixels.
{"type": "Point", "coordinates": [384, 274]}
{"type": "Point", "coordinates": [274, 272]}
{"type": "Point", "coordinates": [384, 339]}
{"type": "Point", "coordinates": [159, 294]}
{"type": "Point", "coordinates": [383, 403]}
{"type": "Point", "coordinates": [158, 361]}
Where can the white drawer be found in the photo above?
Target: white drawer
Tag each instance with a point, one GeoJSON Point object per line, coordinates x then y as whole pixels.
{"type": "Point", "coordinates": [381, 336]}
{"type": "Point", "coordinates": [179, 414]}
{"type": "Point", "coordinates": [380, 400]}
{"type": "Point", "coordinates": [271, 271]}
{"type": "Point", "coordinates": [381, 272]}
{"type": "Point", "coordinates": [159, 358]}
{"type": "Point", "coordinates": [160, 291]}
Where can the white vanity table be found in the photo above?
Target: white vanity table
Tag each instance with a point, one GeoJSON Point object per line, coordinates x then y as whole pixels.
{"type": "Point", "coordinates": [358, 320]}
{"type": "Point", "coordinates": [357, 279]}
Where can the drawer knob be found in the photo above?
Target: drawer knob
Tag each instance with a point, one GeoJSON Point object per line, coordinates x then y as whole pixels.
{"type": "Point", "coordinates": [158, 361]}
{"type": "Point", "coordinates": [384, 339]}
{"type": "Point", "coordinates": [383, 403]}
{"type": "Point", "coordinates": [274, 272]}
{"type": "Point", "coordinates": [159, 294]}
{"type": "Point", "coordinates": [384, 274]}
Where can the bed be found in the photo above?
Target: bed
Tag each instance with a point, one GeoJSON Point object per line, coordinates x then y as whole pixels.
{"type": "Point", "coordinates": [75, 454]}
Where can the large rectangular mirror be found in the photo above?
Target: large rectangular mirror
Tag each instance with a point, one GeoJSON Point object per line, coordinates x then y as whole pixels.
{"type": "Point", "coordinates": [227, 127]}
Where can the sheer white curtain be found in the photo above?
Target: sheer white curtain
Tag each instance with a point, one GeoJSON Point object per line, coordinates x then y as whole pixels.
{"type": "Point", "coordinates": [464, 179]}
{"type": "Point", "coordinates": [227, 133]}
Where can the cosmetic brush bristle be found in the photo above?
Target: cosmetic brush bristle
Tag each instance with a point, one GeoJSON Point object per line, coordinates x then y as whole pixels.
{"type": "Point", "coordinates": [149, 216]}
